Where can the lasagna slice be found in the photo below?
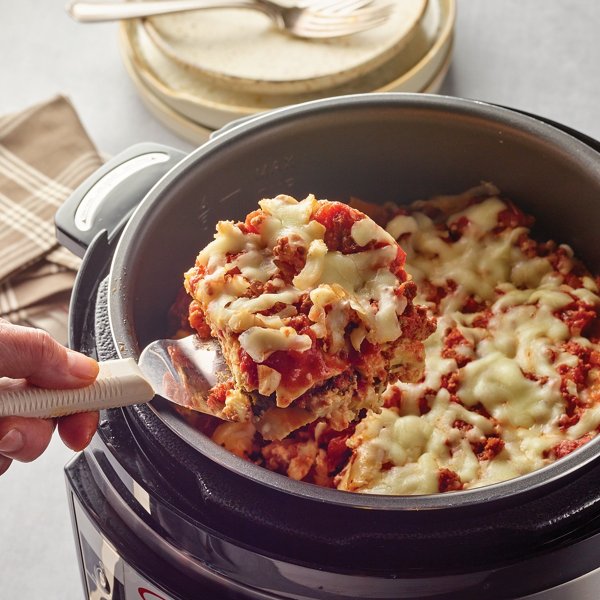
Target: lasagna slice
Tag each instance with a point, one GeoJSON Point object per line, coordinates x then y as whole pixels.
{"type": "Point", "coordinates": [313, 310]}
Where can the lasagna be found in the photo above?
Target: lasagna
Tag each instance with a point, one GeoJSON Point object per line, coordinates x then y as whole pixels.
{"type": "Point", "coordinates": [312, 307]}
{"type": "Point", "coordinates": [512, 371]}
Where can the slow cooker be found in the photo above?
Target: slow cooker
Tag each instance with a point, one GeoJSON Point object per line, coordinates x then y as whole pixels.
{"type": "Point", "coordinates": [160, 512]}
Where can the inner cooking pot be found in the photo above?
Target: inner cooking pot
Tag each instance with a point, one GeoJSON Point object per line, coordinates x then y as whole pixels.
{"type": "Point", "coordinates": [378, 147]}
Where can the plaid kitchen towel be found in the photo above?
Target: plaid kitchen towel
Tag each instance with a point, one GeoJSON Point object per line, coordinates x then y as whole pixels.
{"type": "Point", "coordinates": [44, 155]}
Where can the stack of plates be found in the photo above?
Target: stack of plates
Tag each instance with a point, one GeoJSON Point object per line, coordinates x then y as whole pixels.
{"type": "Point", "coordinates": [198, 71]}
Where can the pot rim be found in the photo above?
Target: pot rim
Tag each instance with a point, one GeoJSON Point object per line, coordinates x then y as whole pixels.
{"type": "Point", "coordinates": [125, 341]}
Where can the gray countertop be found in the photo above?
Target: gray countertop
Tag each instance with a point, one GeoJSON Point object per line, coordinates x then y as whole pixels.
{"type": "Point", "coordinates": [542, 56]}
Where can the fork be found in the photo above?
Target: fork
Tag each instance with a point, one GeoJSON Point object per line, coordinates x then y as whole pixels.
{"type": "Point", "coordinates": [305, 19]}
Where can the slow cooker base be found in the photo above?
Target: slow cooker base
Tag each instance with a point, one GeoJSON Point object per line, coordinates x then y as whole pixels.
{"type": "Point", "coordinates": [147, 504]}
{"type": "Point", "coordinates": [117, 560]}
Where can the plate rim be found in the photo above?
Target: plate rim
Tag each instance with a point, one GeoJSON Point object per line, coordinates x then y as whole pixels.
{"type": "Point", "coordinates": [196, 132]}
{"type": "Point", "coordinates": [274, 86]}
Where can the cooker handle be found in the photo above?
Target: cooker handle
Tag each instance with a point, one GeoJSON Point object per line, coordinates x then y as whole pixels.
{"type": "Point", "coordinates": [106, 199]}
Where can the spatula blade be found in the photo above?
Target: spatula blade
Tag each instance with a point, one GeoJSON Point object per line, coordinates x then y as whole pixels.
{"type": "Point", "coordinates": [185, 370]}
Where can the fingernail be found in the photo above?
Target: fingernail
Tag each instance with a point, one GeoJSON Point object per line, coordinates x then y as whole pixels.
{"type": "Point", "coordinates": [81, 366]}
{"type": "Point", "coordinates": [12, 442]}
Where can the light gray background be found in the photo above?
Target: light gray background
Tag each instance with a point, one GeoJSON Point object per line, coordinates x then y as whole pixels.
{"type": "Point", "coordinates": [541, 56]}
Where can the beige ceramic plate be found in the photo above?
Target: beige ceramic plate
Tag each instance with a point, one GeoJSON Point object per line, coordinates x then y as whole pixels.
{"type": "Point", "coordinates": [241, 48]}
{"type": "Point", "coordinates": [181, 125]}
{"type": "Point", "coordinates": [212, 105]}
{"type": "Point", "coordinates": [191, 131]}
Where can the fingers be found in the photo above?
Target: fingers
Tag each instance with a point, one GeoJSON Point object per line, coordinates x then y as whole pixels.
{"type": "Point", "coordinates": [32, 354]}
{"type": "Point", "coordinates": [76, 431]}
{"type": "Point", "coordinates": [24, 439]}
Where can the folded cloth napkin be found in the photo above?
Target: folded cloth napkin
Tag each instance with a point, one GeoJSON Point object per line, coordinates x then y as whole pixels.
{"type": "Point", "coordinates": [45, 154]}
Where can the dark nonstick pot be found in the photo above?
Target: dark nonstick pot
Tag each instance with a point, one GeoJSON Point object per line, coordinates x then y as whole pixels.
{"type": "Point", "coordinates": [379, 147]}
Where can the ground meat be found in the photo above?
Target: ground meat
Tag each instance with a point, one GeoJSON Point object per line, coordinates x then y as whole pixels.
{"type": "Point", "coordinates": [567, 446]}
{"type": "Point", "coordinates": [578, 316]}
{"type": "Point", "coordinates": [512, 217]}
{"type": "Point", "coordinates": [487, 448]}
{"type": "Point", "coordinates": [449, 481]}
{"type": "Point", "coordinates": [454, 338]}
{"type": "Point", "coordinates": [289, 255]}
{"type": "Point", "coordinates": [338, 219]}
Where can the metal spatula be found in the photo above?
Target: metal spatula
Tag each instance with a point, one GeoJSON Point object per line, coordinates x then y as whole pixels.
{"type": "Point", "coordinates": [182, 371]}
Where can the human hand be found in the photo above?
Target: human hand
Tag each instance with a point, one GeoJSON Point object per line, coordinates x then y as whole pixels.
{"type": "Point", "coordinates": [32, 356]}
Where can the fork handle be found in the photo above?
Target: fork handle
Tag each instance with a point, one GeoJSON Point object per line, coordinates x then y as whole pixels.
{"type": "Point", "coordinates": [119, 383]}
{"type": "Point", "coordinates": [95, 12]}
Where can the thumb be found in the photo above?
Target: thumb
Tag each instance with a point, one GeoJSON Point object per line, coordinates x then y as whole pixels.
{"type": "Point", "coordinates": [32, 354]}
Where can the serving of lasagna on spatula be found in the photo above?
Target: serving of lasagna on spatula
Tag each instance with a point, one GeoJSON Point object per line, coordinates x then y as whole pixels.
{"type": "Point", "coordinates": [313, 311]}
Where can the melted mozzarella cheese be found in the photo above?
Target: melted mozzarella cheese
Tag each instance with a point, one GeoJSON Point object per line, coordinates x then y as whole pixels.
{"type": "Point", "coordinates": [261, 342]}
{"type": "Point", "coordinates": [483, 216]}
{"type": "Point", "coordinates": [498, 383]}
{"type": "Point", "coordinates": [510, 386]}
{"type": "Point", "coordinates": [365, 231]}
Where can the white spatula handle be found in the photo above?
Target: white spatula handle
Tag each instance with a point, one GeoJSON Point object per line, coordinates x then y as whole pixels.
{"type": "Point", "coordinates": [119, 383]}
